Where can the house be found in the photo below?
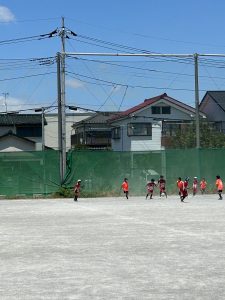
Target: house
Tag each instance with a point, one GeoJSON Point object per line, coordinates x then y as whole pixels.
{"type": "Point", "coordinates": [11, 142]}
{"type": "Point", "coordinates": [20, 132]}
{"type": "Point", "coordinates": [213, 106]}
{"type": "Point", "coordinates": [51, 128]}
{"type": "Point", "coordinates": [93, 132]}
{"type": "Point", "coordinates": [149, 125]}
{"type": "Point", "coordinates": [23, 132]}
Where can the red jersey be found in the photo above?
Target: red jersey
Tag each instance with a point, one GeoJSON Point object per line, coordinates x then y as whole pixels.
{"type": "Point", "coordinates": [195, 185]}
{"type": "Point", "coordinates": [150, 186]}
{"type": "Point", "coordinates": [219, 184]}
{"type": "Point", "coordinates": [185, 184]}
{"type": "Point", "coordinates": [203, 184]}
{"type": "Point", "coordinates": [77, 187]}
{"type": "Point", "coordinates": [125, 186]}
{"type": "Point", "coordinates": [195, 181]}
{"type": "Point", "coordinates": [180, 185]}
{"type": "Point", "coordinates": [162, 184]}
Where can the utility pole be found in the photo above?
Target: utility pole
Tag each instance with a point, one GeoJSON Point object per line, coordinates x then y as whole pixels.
{"type": "Point", "coordinates": [60, 117]}
{"type": "Point", "coordinates": [5, 96]}
{"type": "Point", "coordinates": [62, 109]}
{"type": "Point", "coordinates": [43, 127]}
{"type": "Point", "coordinates": [197, 102]}
{"type": "Point", "coordinates": [63, 33]}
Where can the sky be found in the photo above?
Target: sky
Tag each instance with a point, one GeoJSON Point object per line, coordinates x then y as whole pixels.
{"type": "Point", "coordinates": [28, 69]}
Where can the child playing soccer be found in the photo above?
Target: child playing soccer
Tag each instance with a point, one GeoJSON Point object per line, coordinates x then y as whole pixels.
{"type": "Point", "coordinates": [195, 186]}
{"type": "Point", "coordinates": [150, 188]}
{"type": "Point", "coordinates": [182, 186]}
{"type": "Point", "coordinates": [162, 186]}
{"type": "Point", "coordinates": [77, 189]}
{"type": "Point", "coordinates": [219, 185]}
{"type": "Point", "coordinates": [203, 184]}
{"type": "Point", "coordinates": [125, 187]}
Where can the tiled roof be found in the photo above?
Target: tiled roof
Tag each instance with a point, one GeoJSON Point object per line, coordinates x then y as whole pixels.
{"type": "Point", "coordinates": [97, 118]}
{"type": "Point", "coordinates": [150, 101]}
{"type": "Point", "coordinates": [20, 119]}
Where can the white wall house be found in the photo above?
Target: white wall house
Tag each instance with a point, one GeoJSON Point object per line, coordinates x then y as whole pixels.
{"type": "Point", "coordinates": [140, 128]}
{"type": "Point", "coordinates": [51, 129]}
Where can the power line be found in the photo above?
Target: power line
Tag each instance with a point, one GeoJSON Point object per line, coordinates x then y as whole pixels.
{"type": "Point", "coordinates": [28, 76]}
{"type": "Point", "coordinates": [129, 85]}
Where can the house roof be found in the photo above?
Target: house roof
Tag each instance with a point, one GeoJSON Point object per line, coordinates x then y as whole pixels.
{"type": "Point", "coordinates": [97, 118]}
{"type": "Point", "coordinates": [20, 119]}
{"type": "Point", "coordinates": [10, 133]}
{"type": "Point", "coordinates": [217, 96]}
{"type": "Point", "coordinates": [151, 101]}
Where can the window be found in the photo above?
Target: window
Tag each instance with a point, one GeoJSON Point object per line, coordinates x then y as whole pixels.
{"type": "Point", "coordinates": [29, 131]}
{"type": "Point", "coordinates": [139, 129]}
{"type": "Point", "coordinates": [158, 110]}
{"type": "Point", "coordinates": [116, 133]}
{"type": "Point", "coordinates": [165, 110]}
{"type": "Point", "coordinates": [155, 110]}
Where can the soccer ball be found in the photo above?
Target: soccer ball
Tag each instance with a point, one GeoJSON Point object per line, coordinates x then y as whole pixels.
{"type": "Point", "coordinates": [163, 194]}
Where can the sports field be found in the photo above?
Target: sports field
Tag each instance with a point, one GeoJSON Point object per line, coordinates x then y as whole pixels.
{"type": "Point", "coordinates": [113, 248]}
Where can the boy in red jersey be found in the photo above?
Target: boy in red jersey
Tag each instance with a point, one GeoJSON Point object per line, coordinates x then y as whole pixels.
{"type": "Point", "coordinates": [77, 189]}
{"type": "Point", "coordinates": [185, 191]}
{"type": "Point", "coordinates": [182, 186]}
{"type": "Point", "coordinates": [203, 184]}
{"type": "Point", "coordinates": [195, 186]}
{"type": "Point", "coordinates": [125, 187]}
{"type": "Point", "coordinates": [162, 186]}
{"type": "Point", "coordinates": [219, 185]}
{"type": "Point", "coordinates": [150, 188]}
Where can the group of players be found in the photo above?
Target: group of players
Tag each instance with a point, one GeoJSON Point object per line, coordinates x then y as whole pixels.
{"type": "Point", "coordinates": [182, 186]}
{"type": "Point", "coordinates": [161, 183]}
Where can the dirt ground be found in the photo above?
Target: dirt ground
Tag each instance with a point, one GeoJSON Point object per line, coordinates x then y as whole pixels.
{"type": "Point", "coordinates": [113, 248]}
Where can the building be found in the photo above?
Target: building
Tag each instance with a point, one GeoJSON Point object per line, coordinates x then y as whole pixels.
{"type": "Point", "coordinates": [149, 125]}
{"type": "Point", "coordinates": [213, 106]}
{"type": "Point", "coordinates": [93, 132]}
{"type": "Point", "coordinates": [51, 128]}
{"type": "Point", "coordinates": [20, 132]}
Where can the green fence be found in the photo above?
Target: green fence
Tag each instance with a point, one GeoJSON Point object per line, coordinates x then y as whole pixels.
{"type": "Point", "coordinates": [29, 173]}
{"type": "Point", "coordinates": [102, 172]}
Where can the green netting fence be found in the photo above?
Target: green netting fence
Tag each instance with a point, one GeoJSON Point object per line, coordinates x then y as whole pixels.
{"type": "Point", "coordinates": [102, 172]}
{"type": "Point", "coordinates": [29, 173]}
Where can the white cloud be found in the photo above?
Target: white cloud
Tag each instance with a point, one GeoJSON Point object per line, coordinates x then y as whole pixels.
{"type": "Point", "coordinates": [6, 15]}
{"type": "Point", "coordinates": [10, 104]}
{"type": "Point", "coordinates": [73, 83]}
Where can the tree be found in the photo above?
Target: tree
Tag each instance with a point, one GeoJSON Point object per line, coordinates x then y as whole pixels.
{"type": "Point", "coordinates": [209, 137]}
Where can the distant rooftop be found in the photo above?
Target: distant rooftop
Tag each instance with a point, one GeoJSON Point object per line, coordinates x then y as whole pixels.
{"type": "Point", "coordinates": [218, 97]}
{"type": "Point", "coordinates": [20, 119]}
